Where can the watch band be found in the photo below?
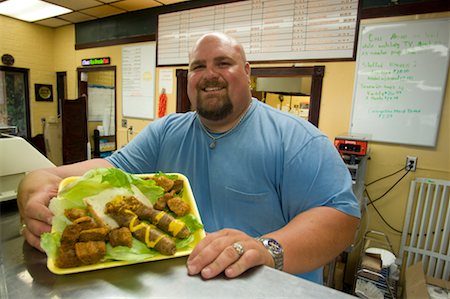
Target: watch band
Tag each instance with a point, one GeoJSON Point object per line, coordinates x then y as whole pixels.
{"type": "Point", "coordinates": [275, 249]}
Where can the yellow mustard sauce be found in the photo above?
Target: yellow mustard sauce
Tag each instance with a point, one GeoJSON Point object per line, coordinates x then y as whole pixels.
{"type": "Point", "coordinates": [176, 226]}
{"type": "Point", "coordinates": [159, 216]}
{"type": "Point", "coordinates": [147, 228]}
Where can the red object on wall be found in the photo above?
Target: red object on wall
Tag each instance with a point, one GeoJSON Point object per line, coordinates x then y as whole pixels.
{"type": "Point", "coordinates": [162, 105]}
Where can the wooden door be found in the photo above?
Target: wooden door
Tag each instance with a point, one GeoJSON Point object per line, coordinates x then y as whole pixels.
{"type": "Point", "coordinates": [183, 103]}
{"type": "Point", "coordinates": [74, 130]}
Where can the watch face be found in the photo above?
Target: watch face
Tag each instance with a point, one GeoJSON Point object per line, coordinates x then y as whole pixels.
{"type": "Point", "coordinates": [275, 246]}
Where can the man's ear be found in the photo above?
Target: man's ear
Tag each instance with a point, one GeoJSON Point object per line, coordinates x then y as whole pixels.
{"type": "Point", "coordinates": [248, 71]}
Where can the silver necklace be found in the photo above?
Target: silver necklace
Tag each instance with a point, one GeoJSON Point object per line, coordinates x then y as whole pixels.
{"type": "Point", "coordinates": [213, 143]}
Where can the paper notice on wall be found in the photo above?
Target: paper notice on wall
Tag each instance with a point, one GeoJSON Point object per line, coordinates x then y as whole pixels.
{"type": "Point", "coordinates": [138, 81]}
{"type": "Point", "coordinates": [166, 81]}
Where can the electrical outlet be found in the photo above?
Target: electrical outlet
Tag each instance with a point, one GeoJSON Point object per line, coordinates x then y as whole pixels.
{"type": "Point", "coordinates": [124, 123]}
{"type": "Point", "coordinates": [411, 163]}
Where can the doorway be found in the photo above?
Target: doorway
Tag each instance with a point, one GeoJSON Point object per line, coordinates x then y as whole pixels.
{"type": "Point", "coordinates": [98, 86]}
{"type": "Point", "coordinates": [303, 100]}
{"type": "Point", "coordinates": [15, 101]}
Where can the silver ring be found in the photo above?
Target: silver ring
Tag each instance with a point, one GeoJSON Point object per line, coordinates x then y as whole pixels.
{"type": "Point", "coordinates": [239, 248]}
{"type": "Point", "coordinates": [22, 228]}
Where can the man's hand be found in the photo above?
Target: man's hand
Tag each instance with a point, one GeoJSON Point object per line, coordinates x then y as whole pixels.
{"type": "Point", "coordinates": [215, 254]}
{"type": "Point", "coordinates": [33, 197]}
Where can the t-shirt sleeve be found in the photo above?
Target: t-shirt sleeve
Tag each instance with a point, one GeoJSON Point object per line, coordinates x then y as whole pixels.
{"type": "Point", "coordinates": [315, 175]}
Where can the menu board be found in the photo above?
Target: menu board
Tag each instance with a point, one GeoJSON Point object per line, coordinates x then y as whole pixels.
{"type": "Point", "coordinates": [138, 81]}
{"type": "Point", "coordinates": [269, 30]}
{"type": "Point", "coordinates": [401, 75]}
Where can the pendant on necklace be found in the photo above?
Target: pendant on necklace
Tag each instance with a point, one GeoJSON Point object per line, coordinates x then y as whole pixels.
{"type": "Point", "coordinates": [212, 145]}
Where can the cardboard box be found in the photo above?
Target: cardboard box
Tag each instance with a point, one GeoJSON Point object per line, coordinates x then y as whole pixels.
{"type": "Point", "coordinates": [416, 282]}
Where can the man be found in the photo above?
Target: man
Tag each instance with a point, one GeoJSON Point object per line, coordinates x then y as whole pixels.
{"type": "Point", "coordinates": [254, 171]}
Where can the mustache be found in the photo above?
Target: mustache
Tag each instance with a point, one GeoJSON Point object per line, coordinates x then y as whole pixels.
{"type": "Point", "coordinates": [211, 83]}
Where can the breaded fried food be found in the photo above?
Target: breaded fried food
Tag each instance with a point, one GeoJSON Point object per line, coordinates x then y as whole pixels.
{"type": "Point", "coordinates": [71, 234]}
{"type": "Point", "coordinates": [161, 202]}
{"type": "Point", "coordinates": [85, 222]}
{"type": "Point", "coordinates": [177, 186]}
{"type": "Point", "coordinates": [67, 257]}
{"type": "Point", "coordinates": [90, 252]}
{"type": "Point", "coordinates": [164, 183]}
{"type": "Point", "coordinates": [178, 206]}
{"type": "Point", "coordinates": [120, 237]}
{"type": "Point", "coordinates": [75, 213]}
{"type": "Point", "coordinates": [94, 234]}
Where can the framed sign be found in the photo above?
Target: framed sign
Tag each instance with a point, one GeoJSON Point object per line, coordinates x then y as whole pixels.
{"type": "Point", "coordinates": [43, 92]}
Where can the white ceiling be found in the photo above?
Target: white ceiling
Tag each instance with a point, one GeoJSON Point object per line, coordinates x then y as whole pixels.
{"type": "Point", "coordinates": [86, 10]}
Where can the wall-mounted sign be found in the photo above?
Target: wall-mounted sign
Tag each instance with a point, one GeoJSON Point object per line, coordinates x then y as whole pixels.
{"type": "Point", "coordinates": [96, 61]}
{"type": "Point", "coordinates": [43, 92]}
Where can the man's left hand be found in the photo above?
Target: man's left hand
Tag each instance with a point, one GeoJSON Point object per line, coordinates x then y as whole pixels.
{"type": "Point", "coordinates": [229, 251]}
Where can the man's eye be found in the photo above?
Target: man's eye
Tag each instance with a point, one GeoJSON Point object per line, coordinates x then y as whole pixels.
{"type": "Point", "coordinates": [224, 64]}
{"type": "Point", "coordinates": [196, 67]}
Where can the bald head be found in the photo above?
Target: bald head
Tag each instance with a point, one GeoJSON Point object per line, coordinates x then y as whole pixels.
{"type": "Point", "coordinates": [222, 38]}
{"type": "Point", "coordinates": [218, 80]}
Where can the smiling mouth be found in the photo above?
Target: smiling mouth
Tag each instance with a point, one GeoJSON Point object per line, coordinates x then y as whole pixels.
{"type": "Point", "coordinates": [212, 89]}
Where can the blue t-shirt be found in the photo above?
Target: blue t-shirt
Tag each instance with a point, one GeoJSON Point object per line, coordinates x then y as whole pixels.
{"type": "Point", "coordinates": [270, 168]}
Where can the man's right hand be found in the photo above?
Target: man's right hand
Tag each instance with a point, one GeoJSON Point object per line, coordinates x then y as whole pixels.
{"type": "Point", "coordinates": [33, 197]}
{"type": "Point", "coordinates": [38, 188]}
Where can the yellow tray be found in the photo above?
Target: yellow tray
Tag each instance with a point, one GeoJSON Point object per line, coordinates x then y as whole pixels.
{"type": "Point", "coordinates": [198, 235]}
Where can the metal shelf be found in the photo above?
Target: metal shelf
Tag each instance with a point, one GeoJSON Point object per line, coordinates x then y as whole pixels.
{"type": "Point", "coordinates": [382, 280]}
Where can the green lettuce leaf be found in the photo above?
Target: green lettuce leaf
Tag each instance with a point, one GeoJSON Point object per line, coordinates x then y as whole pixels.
{"type": "Point", "coordinates": [50, 243]}
{"type": "Point", "coordinates": [138, 252]}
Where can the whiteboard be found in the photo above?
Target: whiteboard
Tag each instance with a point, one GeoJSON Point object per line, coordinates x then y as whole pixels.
{"type": "Point", "coordinates": [400, 80]}
{"type": "Point", "coordinates": [138, 81]}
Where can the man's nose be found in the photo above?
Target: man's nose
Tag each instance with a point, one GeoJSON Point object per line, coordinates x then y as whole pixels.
{"type": "Point", "coordinates": [211, 72]}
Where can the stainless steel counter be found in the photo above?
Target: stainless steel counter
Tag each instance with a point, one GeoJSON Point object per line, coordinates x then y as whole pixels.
{"type": "Point", "coordinates": [24, 274]}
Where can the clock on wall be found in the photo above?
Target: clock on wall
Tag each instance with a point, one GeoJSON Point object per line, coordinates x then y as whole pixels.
{"type": "Point", "coordinates": [7, 59]}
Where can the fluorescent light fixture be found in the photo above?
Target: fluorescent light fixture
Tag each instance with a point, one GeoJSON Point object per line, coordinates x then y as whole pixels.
{"type": "Point", "coordinates": [31, 10]}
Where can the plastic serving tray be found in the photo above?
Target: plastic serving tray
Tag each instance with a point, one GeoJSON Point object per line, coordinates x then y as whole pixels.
{"type": "Point", "coordinates": [198, 235]}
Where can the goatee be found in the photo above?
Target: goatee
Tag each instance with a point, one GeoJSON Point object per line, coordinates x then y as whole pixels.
{"type": "Point", "coordinates": [217, 113]}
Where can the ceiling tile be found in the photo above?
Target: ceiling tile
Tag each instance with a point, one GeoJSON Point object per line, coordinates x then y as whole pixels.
{"type": "Point", "coordinates": [76, 17]}
{"type": "Point", "coordinates": [108, 1]}
{"type": "Point", "coordinates": [86, 10]}
{"type": "Point", "coordinates": [166, 2]}
{"type": "Point", "coordinates": [131, 5]}
{"type": "Point", "coordinates": [76, 5]}
{"type": "Point", "coordinates": [102, 11]}
{"type": "Point", "coordinates": [52, 22]}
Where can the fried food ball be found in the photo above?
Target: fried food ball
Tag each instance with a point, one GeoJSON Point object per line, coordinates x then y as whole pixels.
{"type": "Point", "coordinates": [121, 237]}
{"type": "Point", "coordinates": [90, 252]}
{"type": "Point", "coordinates": [178, 206]}
{"type": "Point", "coordinates": [86, 222]}
{"type": "Point", "coordinates": [161, 202]}
{"type": "Point", "coordinates": [164, 183]}
{"type": "Point", "coordinates": [67, 257]}
{"type": "Point", "coordinates": [70, 234]}
{"type": "Point", "coordinates": [177, 186]}
{"type": "Point", "coordinates": [94, 234]}
{"type": "Point", "coordinates": [75, 213]}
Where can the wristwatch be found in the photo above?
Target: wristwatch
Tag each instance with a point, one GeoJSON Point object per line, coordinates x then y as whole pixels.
{"type": "Point", "coordinates": [275, 250]}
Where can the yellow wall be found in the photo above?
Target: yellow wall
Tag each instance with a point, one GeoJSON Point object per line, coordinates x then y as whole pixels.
{"type": "Point", "coordinates": [45, 51]}
{"type": "Point", "coordinates": [32, 47]}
